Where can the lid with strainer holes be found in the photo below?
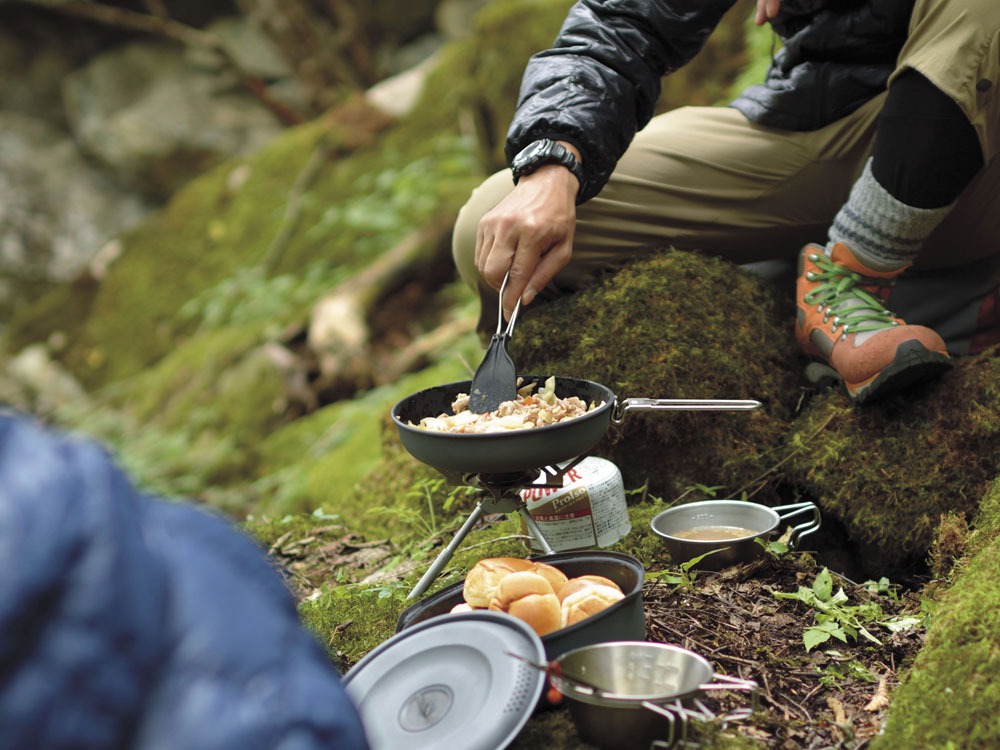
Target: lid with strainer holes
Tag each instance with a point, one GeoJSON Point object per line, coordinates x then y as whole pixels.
{"type": "Point", "coordinates": [461, 681]}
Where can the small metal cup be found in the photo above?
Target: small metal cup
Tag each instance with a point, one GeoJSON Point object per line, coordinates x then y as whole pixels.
{"type": "Point", "coordinates": [634, 695]}
{"type": "Point", "coordinates": [760, 519]}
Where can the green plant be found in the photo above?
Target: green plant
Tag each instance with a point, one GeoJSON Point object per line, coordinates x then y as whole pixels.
{"type": "Point", "coordinates": [422, 517]}
{"type": "Point", "coordinates": [835, 618]}
{"type": "Point", "coordinates": [843, 669]}
{"type": "Point", "coordinates": [684, 576]}
{"type": "Point", "coordinates": [775, 548]}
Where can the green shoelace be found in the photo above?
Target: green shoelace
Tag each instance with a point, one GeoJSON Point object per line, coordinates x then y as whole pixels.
{"type": "Point", "coordinates": [840, 295]}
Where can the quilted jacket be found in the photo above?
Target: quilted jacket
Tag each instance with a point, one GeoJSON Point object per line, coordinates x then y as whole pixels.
{"type": "Point", "coordinates": [128, 621]}
{"type": "Point", "coordinates": [599, 82]}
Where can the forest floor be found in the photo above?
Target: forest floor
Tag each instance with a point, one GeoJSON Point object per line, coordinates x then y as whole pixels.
{"type": "Point", "coordinates": [751, 622]}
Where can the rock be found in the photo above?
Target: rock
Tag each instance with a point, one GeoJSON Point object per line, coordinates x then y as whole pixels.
{"type": "Point", "coordinates": [155, 120]}
{"type": "Point", "coordinates": [30, 77]}
{"type": "Point", "coordinates": [454, 18]}
{"type": "Point", "coordinates": [56, 211]}
{"type": "Point", "coordinates": [34, 383]}
{"type": "Point", "coordinates": [398, 95]}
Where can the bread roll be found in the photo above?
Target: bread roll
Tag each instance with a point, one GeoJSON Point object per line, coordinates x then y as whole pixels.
{"type": "Point", "coordinates": [529, 597]}
{"type": "Point", "coordinates": [462, 607]}
{"type": "Point", "coordinates": [481, 582]}
{"type": "Point", "coordinates": [588, 601]}
{"type": "Point", "coordinates": [581, 582]}
{"type": "Point", "coordinates": [552, 574]}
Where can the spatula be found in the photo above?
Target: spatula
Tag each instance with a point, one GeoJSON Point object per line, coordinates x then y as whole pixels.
{"type": "Point", "coordinates": [496, 379]}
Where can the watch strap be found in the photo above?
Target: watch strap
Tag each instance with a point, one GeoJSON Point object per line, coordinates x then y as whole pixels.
{"type": "Point", "coordinates": [544, 152]}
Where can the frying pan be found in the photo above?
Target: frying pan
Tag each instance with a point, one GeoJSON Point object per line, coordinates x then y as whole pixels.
{"type": "Point", "coordinates": [515, 451]}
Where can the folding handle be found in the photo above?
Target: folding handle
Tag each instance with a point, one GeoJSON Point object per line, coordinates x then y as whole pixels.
{"type": "Point", "coordinates": [806, 527]}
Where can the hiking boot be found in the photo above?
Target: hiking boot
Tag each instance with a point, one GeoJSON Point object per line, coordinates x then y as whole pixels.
{"type": "Point", "coordinates": [842, 321]}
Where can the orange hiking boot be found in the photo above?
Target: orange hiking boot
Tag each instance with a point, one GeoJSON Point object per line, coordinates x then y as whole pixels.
{"type": "Point", "coordinates": [842, 321]}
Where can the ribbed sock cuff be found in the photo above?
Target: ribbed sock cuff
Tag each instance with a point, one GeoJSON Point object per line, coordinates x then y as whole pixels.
{"type": "Point", "coordinates": [883, 232]}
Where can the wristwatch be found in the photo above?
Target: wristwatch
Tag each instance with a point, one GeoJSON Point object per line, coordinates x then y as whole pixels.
{"type": "Point", "coordinates": [545, 151]}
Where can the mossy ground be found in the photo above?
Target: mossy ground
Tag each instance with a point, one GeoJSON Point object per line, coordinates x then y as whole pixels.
{"type": "Point", "coordinates": [951, 698]}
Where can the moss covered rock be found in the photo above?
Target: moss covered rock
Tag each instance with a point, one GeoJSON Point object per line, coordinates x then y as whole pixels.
{"type": "Point", "coordinates": [676, 325]}
{"type": "Point", "coordinates": [951, 698]}
{"type": "Point", "coordinates": [889, 472]}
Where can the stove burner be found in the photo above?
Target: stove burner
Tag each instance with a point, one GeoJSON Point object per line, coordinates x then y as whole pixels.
{"type": "Point", "coordinates": [502, 494]}
{"type": "Point", "coordinates": [545, 476]}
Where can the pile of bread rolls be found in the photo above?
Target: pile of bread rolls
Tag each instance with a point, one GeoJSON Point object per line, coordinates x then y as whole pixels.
{"type": "Point", "coordinates": [538, 593]}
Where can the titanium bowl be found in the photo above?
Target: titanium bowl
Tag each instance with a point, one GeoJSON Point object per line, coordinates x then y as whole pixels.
{"type": "Point", "coordinates": [630, 695]}
{"type": "Point", "coordinates": [760, 519]}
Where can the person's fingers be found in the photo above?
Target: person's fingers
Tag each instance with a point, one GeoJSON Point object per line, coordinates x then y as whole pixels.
{"type": "Point", "coordinates": [548, 266]}
{"type": "Point", "coordinates": [766, 10]}
{"type": "Point", "coordinates": [484, 248]}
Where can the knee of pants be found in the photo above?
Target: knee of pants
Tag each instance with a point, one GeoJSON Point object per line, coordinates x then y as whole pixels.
{"type": "Point", "coordinates": [956, 45]}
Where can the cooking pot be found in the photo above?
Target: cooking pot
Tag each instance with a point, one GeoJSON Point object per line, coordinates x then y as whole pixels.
{"type": "Point", "coordinates": [636, 695]}
{"type": "Point", "coordinates": [515, 451]}
{"type": "Point", "coordinates": [759, 521]}
{"type": "Point", "coordinates": [623, 620]}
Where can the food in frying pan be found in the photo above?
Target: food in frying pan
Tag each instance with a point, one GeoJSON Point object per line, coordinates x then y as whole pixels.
{"type": "Point", "coordinates": [528, 410]}
{"type": "Point", "coordinates": [538, 593]}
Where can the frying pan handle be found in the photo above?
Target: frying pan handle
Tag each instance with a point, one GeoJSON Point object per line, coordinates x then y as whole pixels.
{"type": "Point", "coordinates": [680, 404]}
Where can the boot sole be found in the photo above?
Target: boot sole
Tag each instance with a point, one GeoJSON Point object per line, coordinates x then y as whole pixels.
{"type": "Point", "coordinates": [913, 364]}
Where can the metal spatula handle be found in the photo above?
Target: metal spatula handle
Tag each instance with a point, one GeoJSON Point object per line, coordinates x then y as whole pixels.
{"type": "Point", "coordinates": [513, 315]}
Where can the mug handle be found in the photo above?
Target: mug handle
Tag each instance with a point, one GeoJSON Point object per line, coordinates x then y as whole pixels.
{"type": "Point", "coordinates": [806, 527]}
{"type": "Point", "coordinates": [676, 711]}
{"type": "Point", "coordinates": [725, 682]}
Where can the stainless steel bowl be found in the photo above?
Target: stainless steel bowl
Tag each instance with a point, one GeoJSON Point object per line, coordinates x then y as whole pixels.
{"type": "Point", "coordinates": [630, 695]}
{"type": "Point", "coordinates": [760, 521]}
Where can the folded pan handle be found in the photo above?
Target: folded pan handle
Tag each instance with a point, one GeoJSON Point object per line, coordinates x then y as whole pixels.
{"type": "Point", "coordinates": [798, 509]}
{"type": "Point", "coordinates": [680, 404]}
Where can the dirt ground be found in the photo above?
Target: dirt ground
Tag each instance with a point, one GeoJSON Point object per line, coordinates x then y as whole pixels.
{"type": "Point", "coordinates": [833, 696]}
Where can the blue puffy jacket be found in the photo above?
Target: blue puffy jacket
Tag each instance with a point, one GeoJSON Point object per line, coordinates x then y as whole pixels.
{"type": "Point", "coordinates": [132, 622]}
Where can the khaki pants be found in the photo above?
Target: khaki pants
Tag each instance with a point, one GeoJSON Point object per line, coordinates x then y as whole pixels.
{"type": "Point", "coordinates": [706, 179]}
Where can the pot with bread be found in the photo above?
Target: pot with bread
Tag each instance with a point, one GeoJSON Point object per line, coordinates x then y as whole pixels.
{"type": "Point", "coordinates": [569, 599]}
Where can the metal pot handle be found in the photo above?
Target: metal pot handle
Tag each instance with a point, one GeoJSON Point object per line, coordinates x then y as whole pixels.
{"type": "Point", "coordinates": [680, 404]}
{"type": "Point", "coordinates": [672, 714]}
{"type": "Point", "coordinates": [725, 682]}
{"type": "Point", "coordinates": [676, 711]}
{"type": "Point", "coordinates": [806, 527]}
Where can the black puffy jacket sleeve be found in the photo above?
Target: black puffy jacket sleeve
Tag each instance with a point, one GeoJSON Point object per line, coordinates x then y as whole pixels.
{"type": "Point", "coordinates": [600, 81]}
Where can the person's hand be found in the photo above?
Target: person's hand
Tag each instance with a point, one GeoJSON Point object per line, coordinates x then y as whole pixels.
{"type": "Point", "coordinates": [529, 233]}
{"type": "Point", "coordinates": [766, 10]}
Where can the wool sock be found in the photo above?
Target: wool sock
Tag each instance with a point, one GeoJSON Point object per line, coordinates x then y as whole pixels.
{"type": "Point", "coordinates": [883, 232]}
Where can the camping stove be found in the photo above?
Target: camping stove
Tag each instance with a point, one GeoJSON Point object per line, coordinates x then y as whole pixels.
{"type": "Point", "coordinates": [501, 493]}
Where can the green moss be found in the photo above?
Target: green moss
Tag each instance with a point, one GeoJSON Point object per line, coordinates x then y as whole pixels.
{"type": "Point", "coordinates": [951, 698]}
{"type": "Point", "coordinates": [659, 329]}
{"type": "Point", "coordinates": [987, 523]}
{"type": "Point", "coordinates": [890, 471]}
{"type": "Point", "coordinates": [323, 459]}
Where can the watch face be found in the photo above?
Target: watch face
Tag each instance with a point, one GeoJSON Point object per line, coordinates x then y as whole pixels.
{"type": "Point", "coordinates": [533, 151]}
